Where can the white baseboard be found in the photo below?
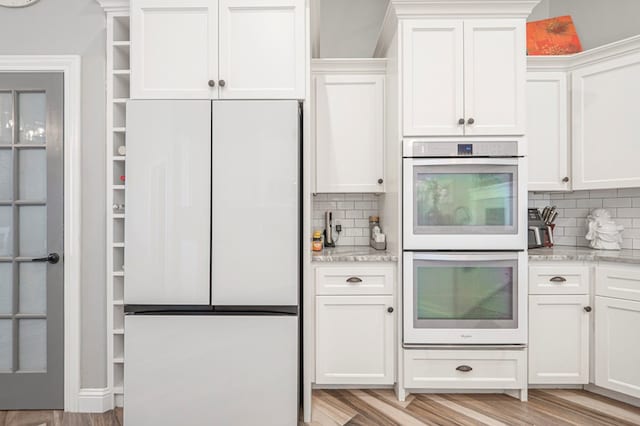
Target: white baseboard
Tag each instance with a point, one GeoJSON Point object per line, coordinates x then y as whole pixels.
{"type": "Point", "coordinates": [95, 400]}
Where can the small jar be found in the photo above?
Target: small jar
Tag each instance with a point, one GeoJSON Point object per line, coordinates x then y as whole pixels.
{"type": "Point", "coordinates": [316, 244]}
{"type": "Point", "coordinates": [374, 225]}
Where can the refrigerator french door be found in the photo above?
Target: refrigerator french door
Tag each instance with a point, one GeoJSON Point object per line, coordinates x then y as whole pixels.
{"type": "Point", "coordinates": [211, 312]}
{"type": "Point", "coordinates": [465, 298]}
{"type": "Point", "coordinates": [463, 196]}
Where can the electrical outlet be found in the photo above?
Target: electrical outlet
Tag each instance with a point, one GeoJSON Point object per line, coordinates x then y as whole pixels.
{"type": "Point", "coordinates": [338, 228]}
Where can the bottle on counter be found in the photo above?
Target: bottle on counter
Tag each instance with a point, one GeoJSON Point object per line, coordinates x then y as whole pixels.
{"type": "Point", "coordinates": [316, 244]}
{"type": "Point", "coordinates": [377, 239]}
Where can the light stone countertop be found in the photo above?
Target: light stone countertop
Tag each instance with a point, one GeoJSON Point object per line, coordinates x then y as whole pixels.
{"type": "Point", "coordinates": [352, 254]}
{"type": "Point", "coordinates": [569, 253]}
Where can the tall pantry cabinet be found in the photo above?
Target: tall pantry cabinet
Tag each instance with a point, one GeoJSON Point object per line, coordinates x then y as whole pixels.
{"type": "Point", "coordinates": [218, 49]}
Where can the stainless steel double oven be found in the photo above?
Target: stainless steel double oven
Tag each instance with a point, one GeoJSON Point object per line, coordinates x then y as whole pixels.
{"type": "Point", "coordinates": [464, 236]}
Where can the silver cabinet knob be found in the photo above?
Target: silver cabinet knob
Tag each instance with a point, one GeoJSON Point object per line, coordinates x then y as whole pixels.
{"type": "Point", "coordinates": [221, 83]}
{"type": "Point", "coordinates": [380, 181]}
{"type": "Point", "coordinates": [390, 309]}
{"type": "Point", "coordinates": [471, 121]}
{"type": "Point", "coordinates": [565, 179]}
{"type": "Point", "coordinates": [461, 121]}
{"type": "Point", "coordinates": [587, 309]}
{"type": "Point", "coordinates": [212, 83]}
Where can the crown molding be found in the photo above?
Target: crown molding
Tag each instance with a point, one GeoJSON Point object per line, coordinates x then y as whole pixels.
{"type": "Point", "coordinates": [111, 6]}
{"type": "Point", "coordinates": [387, 31]}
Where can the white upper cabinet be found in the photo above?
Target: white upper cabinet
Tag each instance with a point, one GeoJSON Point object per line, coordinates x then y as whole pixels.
{"type": "Point", "coordinates": [262, 49]}
{"type": "Point", "coordinates": [604, 123]}
{"type": "Point", "coordinates": [433, 95]}
{"type": "Point", "coordinates": [174, 49]}
{"type": "Point", "coordinates": [463, 77]}
{"type": "Point", "coordinates": [348, 125]}
{"type": "Point", "coordinates": [547, 131]}
{"type": "Point", "coordinates": [218, 49]}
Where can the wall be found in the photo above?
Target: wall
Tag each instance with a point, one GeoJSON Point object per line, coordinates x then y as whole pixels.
{"type": "Point", "coordinates": [77, 27]}
{"type": "Point", "coordinates": [349, 29]}
{"type": "Point", "coordinates": [541, 11]}
{"type": "Point", "coordinates": [352, 211]}
{"type": "Point", "coordinates": [573, 208]}
{"type": "Point", "coordinates": [600, 22]}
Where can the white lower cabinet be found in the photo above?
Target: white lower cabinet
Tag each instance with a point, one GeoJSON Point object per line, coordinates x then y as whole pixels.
{"type": "Point", "coordinates": [559, 339]}
{"type": "Point", "coordinates": [617, 345]}
{"type": "Point", "coordinates": [354, 340]}
{"type": "Point", "coordinates": [465, 369]}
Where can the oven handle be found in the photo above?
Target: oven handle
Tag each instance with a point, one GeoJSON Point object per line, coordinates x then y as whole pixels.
{"type": "Point", "coordinates": [467, 256]}
{"type": "Point", "coordinates": [513, 161]}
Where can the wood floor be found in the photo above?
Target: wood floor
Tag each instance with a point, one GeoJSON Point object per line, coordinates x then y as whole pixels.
{"type": "Point", "coordinates": [380, 407]}
{"type": "Point", "coordinates": [545, 407]}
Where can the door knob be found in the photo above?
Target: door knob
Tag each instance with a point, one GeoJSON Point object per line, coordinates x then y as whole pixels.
{"type": "Point", "coordinates": [52, 258]}
{"type": "Point", "coordinates": [587, 309]}
{"type": "Point", "coordinates": [461, 121]}
{"type": "Point", "coordinates": [380, 181]}
{"type": "Point", "coordinates": [222, 83]}
{"type": "Point", "coordinates": [471, 121]}
{"type": "Point", "coordinates": [565, 179]}
{"type": "Point", "coordinates": [212, 83]}
{"type": "Point", "coordinates": [390, 309]}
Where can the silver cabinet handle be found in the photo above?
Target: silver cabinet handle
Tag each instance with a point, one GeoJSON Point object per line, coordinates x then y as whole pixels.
{"type": "Point", "coordinates": [390, 309]}
{"type": "Point", "coordinates": [461, 121]}
{"type": "Point", "coordinates": [380, 181]}
{"type": "Point", "coordinates": [558, 280]}
{"type": "Point", "coordinates": [471, 121]}
{"type": "Point", "coordinates": [587, 308]}
{"type": "Point", "coordinates": [212, 83]}
{"type": "Point", "coordinates": [464, 368]}
{"type": "Point", "coordinates": [221, 83]}
{"type": "Point", "coordinates": [565, 179]}
{"type": "Point", "coordinates": [354, 280]}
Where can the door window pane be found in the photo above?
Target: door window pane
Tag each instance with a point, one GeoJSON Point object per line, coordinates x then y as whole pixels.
{"type": "Point", "coordinates": [465, 293]}
{"type": "Point", "coordinates": [32, 178]}
{"type": "Point", "coordinates": [32, 348]}
{"type": "Point", "coordinates": [6, 175]}
{"type": "Point", "coordinates": [33, 288]}
{"type": "Point", "coordinates": [32, 112]}
{"type": "Point", "coordinates": [6, 118]}
{"type": "Point", "coordinates": [6, 234]}
{"type": "Point", "coordinates": [6, 288]}
{"type": "Point", "coordinates": [33, 230]}
{"type": "Point", "coordinates": [6, 345]}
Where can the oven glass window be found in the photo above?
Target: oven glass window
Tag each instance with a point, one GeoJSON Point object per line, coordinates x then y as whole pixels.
{"type": "Point", "coordinates": [462, 201]}
{"type": "Point", "coordinates": [464, 293]}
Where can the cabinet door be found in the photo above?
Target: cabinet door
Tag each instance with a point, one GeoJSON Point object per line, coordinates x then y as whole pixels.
{"type": "Point", "coordinates": [262, 49]}
{"type": "Point", "coordinates": [558, 339]}
{"type": "Point", "coordinates": [494, 77]}
{"type": "Point", "coordinates": [174, 49]}
{"type": "Point", "coordinates": [617, 345]}
{"type": "Point", "coordinates": [354, 340]}
{"type": "Point", "coordinates": [605, 146]}
{"type": "Point", "coordinates": [432, 77]}
{"type": "Point", "coordinates": [547, 131]}
{"type": "Point", "coordinates": [349, 133]}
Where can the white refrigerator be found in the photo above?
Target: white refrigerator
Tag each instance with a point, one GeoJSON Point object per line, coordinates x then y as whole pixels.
{"type": "Point", "coordinates": [212, 262]}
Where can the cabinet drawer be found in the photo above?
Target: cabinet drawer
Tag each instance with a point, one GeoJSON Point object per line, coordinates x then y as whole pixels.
{"type": "Point", "coordinates": [465, 369]}
{"type": "Point", "coordinates": [354, 280]}
{"type": "Point", "coordinates": [558, 279]}
{"type": "Point", "coordinates": [622, 282]}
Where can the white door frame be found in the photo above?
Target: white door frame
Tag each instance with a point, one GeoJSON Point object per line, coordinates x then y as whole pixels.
{"type": "Point", "coordinates": [70, 66]}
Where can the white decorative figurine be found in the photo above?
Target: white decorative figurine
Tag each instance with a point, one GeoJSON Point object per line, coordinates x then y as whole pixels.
{"type": "Point", "coordinates": [603, 232]}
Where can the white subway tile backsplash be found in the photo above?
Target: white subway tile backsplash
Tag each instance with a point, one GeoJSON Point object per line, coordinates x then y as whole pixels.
{"type": "Point", "coordinates": [616, 202]}
{"type": "Point", "coordinates": [573, 208]}
{"type": "Point", "coordinates": [351, 211]}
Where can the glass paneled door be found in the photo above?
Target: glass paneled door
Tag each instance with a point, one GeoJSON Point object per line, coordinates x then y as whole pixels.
{"type": "Point", "coordinates": [31, 241]}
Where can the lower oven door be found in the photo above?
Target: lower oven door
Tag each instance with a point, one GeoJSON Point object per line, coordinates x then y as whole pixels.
{"type": "Point", "coordinates": [464, 203]}
{"type": "Point", "coordinates": [465, 298]}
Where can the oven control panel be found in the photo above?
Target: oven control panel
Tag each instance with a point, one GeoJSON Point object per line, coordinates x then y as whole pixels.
{"type": "Point", "coordinates": [419, 148]}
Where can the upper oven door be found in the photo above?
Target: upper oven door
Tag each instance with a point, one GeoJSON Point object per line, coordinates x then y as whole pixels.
{"type": "Point", "coordinates": [464, 204]}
